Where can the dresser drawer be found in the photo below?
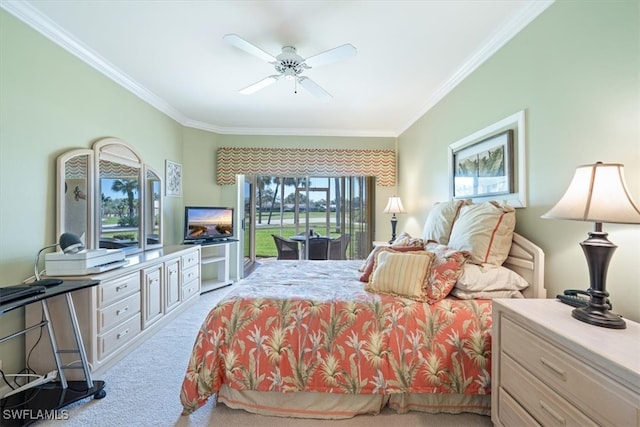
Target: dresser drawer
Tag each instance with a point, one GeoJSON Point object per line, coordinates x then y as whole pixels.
{"type": "Point", "coordinates": [189, 274]}
{"type": "Point", "coordinates": [190, 289]}
{"type": "Point", "coordinates": [116, 289]}
{"type": "Point", "coordinates": [594, 394]}
{"type": "Point", "coordinates": [511, 413]}
{"type": "Point", "coordinates": [118, 336]}
{"type": "Point", "coordinates": [118, 312]}
{"type": "Point", "coordinates": [189, 260]}
{"type": "Point", "coordinates": [537, 399]}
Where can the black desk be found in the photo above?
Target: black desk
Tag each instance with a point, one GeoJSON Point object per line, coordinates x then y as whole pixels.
{"type": "Point", "coordinates": [43, 401]}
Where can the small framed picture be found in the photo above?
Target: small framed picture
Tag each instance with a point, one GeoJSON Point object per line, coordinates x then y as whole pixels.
{"type": "Point", "coordinates": [173, 179]}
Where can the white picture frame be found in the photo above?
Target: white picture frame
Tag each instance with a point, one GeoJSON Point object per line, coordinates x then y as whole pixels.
{"type": "Point", "coordinates": [173, 179]}
{"type": "Point", "coordinates": [517, 194]}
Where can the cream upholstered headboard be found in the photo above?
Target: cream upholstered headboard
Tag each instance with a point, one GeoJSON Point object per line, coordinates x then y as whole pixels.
{"type": "Point", "coordinates": [527, 259]}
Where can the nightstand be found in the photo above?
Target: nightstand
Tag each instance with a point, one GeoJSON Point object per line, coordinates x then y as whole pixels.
{"type": "Point", "coordinates": [551, 369]}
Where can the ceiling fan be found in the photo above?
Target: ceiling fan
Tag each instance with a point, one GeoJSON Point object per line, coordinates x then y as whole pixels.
{"type": "Point", "coordinates": [290, 65]}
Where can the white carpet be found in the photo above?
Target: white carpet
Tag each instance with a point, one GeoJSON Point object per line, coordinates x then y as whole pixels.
{"type": "Point", "coordinates": [144, 390]}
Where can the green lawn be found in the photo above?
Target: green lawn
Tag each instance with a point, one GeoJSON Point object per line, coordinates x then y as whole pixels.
{"type": "Point", "coordinates": [265, 247]}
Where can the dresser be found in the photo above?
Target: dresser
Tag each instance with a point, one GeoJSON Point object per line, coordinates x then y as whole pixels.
{"type": "Point", "coordinates": [553, 370]}
{"type": "Point", "coordinates": [128, 305]}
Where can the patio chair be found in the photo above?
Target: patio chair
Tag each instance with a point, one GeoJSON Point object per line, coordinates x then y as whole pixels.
{"type": "Point", "coordinates": [318, 248]}
{"type": "Point", "coordinates": [338, 247]}
{"type": "Point", "coordinates": [287, 249]}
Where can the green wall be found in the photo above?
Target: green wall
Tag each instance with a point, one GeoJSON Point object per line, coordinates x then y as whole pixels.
{"type": "Point", "coordinates": [575, 71]}
{"type": "Point", "coordinates": [51, 102]}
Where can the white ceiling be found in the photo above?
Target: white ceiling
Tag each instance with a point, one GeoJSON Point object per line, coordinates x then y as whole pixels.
{"type": "Point", "coordinates": [171, 54]}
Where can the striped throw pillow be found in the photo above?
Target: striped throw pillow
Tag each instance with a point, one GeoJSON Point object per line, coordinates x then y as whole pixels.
{"type": "Point", "coordinates": [400, 274]}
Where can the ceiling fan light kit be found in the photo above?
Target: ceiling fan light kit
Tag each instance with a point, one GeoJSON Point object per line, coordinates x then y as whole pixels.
{"type": "Point", "coordinates": [290, 65]}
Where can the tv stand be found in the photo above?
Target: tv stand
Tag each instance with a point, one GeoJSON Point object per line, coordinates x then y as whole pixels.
{"type": "Point", "coordinates": [215, 254]}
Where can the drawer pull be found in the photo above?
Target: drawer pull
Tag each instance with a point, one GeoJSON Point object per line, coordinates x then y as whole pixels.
{"type": "Point", "coordinates": [553, 413]}
{"type": "Point", "coordinates": [123, 333]}
{"type": "Point", "coordinates": [558, 371]}
{"type": "Point", "coordinates": [121, 287]}
{"type": "Point", "coordinates": [118, 312]}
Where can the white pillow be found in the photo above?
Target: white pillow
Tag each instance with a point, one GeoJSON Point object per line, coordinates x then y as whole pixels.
{"type": "Point", "coordinates": [486, 278]}
{"type": "Point", "coordinates": [485, 230]}
{"type": "Point", "coordinates": [440, 221]}
{"type": "Point", "coordinates": [485, 295]}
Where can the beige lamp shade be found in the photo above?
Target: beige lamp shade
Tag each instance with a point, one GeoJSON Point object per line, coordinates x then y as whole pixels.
{"type": "Point", "coordinates": [394, 206]}
{"type": "Point", "coordinates": [597, 193]}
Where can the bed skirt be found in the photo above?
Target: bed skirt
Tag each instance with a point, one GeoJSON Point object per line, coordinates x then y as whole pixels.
{"type": "Point", "coordinates": [341, 406]}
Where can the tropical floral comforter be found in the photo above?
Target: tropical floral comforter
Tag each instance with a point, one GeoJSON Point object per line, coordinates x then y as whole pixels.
{"type": "Point", "coordinates": [310, 326]}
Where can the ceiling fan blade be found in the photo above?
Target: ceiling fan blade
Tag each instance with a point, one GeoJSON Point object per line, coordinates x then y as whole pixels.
{"type": "Point", "coordinates": [240, 43]}
{"type": "Point", "coordinates": [332, 55]}
{"type": "Point", "coordinates": [259, 85]}
{"type": "Point", "coordinates": [314, 88]}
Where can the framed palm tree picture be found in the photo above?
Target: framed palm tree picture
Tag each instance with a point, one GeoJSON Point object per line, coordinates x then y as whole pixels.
{"type": "Point", "coordinates": [484, 168]}
{"type": "Point", "coordinates": [490, 165]}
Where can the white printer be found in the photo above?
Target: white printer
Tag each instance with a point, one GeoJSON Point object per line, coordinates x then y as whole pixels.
{"type": "Point", "coordinates": [84, 262]}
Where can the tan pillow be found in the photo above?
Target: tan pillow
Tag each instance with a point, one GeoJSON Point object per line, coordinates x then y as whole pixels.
{"type": "Point", "coordinates": [400, 274]}
{"type": "Point", "coordinates": [369, 263]}
{"type": "Point", "coordinates": [439, 223]}
{"type": "Point", "coordinates": [485, 230]}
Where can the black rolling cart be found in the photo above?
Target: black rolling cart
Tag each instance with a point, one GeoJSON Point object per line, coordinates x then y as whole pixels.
{"type": "Point", "coordinates": [44, 400]}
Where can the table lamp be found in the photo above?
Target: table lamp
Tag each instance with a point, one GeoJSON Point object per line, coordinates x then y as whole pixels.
{"type": "Point", "coordinates": [70, 244]}
{"type": "Point", "coordinates": [394, 206]}
{"type": "Point", "coordinates": [597, 193]}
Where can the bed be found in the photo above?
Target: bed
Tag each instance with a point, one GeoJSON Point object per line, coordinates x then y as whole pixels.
{"type": "Point", "coordinates": [309, 339]}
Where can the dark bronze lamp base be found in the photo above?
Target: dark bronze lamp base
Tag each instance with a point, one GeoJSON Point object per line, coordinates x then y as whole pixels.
{"type": "Point", "coordinates": [598, 251]}
{"type": "Point", "coordinates": [603, 318]}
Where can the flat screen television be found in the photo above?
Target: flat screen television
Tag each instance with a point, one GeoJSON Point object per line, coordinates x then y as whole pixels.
{"type": "Point", "coordinates": [208, 223]}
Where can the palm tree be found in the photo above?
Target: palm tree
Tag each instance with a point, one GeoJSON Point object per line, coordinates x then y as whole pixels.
{"type": "Point", "coordinates": [127, 187]}
{"type": "Point", "coordinates": [106, 200]}
{"type": "Point", "coordinates": [287, 182]}
{"type": "Point", "coordinates": [263, 182]}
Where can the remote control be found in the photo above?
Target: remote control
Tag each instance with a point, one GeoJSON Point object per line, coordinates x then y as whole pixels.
{"type": "Point", "coordinates": [574, 300]}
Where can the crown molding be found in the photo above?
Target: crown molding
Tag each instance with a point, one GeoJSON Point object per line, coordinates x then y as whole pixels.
{"type": "Point", "coordinates": [39, 22]}
{"type": "Point", "coordinates": [375, 133]}
{"type": "Point", "coordinates": [496, 41]}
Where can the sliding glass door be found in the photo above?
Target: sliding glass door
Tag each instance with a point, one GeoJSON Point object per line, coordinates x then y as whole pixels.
{"type": "Point", "coordinates": [294, 206]}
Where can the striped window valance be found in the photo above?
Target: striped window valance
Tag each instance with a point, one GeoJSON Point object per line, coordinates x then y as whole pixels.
{"type": "Point", "coordinates": [302, 162]}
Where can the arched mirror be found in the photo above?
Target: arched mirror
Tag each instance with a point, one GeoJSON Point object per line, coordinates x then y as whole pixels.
{"type": "Point", "coordinates": [75, 190]}
{"type": "Point", "coordinates": [110, 197]}
{"type": "Point", "coordinates": [153, 211]}
{"type": "Point", "coordinates": [120, 189]}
